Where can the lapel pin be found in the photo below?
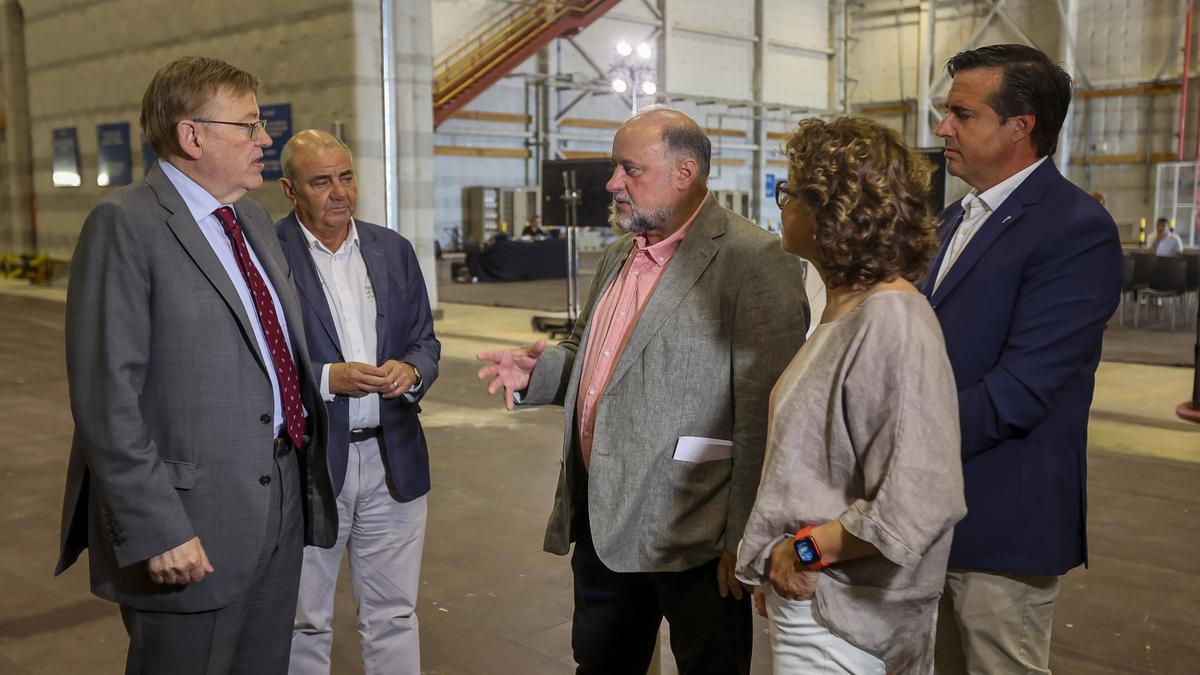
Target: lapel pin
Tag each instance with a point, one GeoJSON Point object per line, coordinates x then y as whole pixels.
{"type": "Point", "coordinates": [1006, 219]}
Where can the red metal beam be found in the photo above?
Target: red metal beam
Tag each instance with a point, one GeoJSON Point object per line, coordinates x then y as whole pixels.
{"type": "Point", "coordinates": [568, 25]}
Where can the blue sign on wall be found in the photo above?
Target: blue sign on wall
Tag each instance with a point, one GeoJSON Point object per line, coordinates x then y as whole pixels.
{"type": "Point", "coordinates": [66, 158]}
{"type": "Point", "coordinates": [279, 126]}
{"type": "Point", "coordinates": [148, 157]}
{"type": "Point", "coordinates": [115, 158]}
{"type": "Point", "coordinates": [771, 180]}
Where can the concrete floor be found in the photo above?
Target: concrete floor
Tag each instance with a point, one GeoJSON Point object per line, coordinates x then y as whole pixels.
{"type": "Point", "coordinates": [492, 602]}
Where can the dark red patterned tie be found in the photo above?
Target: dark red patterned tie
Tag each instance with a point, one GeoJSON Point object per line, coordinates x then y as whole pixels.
{"type": "Point", "coordinates": [285, 371]}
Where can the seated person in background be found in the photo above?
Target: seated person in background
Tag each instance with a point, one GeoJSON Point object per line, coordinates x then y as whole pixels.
{"type": "Point", "coordinates": [1166, 243]}
{"type": "Point", "coordinates": [534, 229]}
{"type": "Point", "coordinates": [871, 494]}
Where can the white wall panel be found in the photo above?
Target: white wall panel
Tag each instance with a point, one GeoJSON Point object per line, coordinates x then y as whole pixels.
{"type": "Point", "coordinates": [711, 66]}
{"type": "Point", "coordinates": [804, 23]}
{"type": "Point", "coordinates": [733, 17]}
{"type": "Point", "coordinates": [796, 78]}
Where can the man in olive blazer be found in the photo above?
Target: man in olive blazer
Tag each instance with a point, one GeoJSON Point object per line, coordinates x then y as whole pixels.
{"type": "Point", "coordinates": [660, 472]}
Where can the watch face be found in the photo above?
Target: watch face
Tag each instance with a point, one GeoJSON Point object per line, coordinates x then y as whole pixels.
{"type": "Point", "coordinates": [805, 551]}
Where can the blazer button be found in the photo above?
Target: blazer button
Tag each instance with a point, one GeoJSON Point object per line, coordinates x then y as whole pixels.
{"type": "Point", "coordinates": [265, 418]}
{"type": "Point", "coordinates": [264, 479]}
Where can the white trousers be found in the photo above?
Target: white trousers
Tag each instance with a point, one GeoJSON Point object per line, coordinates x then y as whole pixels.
{"type": "Point", "coordinates": [385, 539]}
{"type": "Point", "coordinates": [801, 646]}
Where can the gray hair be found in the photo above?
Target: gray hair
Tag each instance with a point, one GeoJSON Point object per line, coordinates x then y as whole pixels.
{"type": "Point", "coordinates": [313, 137]}
{"type": "Point", "coordinates": [681, 137]}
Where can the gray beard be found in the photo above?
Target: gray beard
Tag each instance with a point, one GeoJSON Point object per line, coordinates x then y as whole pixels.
{"type": "Point", "coordinates": [641, 222]}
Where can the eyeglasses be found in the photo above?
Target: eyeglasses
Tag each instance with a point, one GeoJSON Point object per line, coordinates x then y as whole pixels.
{"type": "Point", "coordinates": [252, 127]}
{"type": "Point", "coordinates": [782, 194]}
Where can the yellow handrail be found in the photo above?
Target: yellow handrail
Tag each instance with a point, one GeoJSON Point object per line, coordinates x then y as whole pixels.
{"type": "Point", "coordinates": [500, 19]}
{"type": "Point", "coordinates": [504, 18]}
{"type": "Point", "coordinates": [486, 49]}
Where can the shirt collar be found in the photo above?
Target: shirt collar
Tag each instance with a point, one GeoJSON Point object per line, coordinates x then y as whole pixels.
{"type": "Point", "coordinates": [660, 254]}
{"type": "Point", "coordinates": [314, 243]}
{"type": "Point", "coordinates": [199, 201]}
{"type": "Point", "coordinates": [993, 197]}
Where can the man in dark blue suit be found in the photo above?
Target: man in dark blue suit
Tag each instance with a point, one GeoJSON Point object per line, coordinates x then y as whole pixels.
{"type": "Point", "coordinates": [1028, 274]}
{"type": "Point", "coordinates": [370, 331]}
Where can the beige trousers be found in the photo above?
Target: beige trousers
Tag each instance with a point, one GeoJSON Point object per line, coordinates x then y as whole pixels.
{"type": "Point", "coordinates": [995, 624]}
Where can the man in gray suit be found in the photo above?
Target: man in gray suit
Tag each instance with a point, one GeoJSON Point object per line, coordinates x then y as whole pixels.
{"type": "Point", "coordinates": [665, 380]}
{"type": "Point", "coordinates": [197, 470]}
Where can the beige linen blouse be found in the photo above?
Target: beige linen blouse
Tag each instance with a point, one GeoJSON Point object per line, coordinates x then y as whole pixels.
{"type": "Point", "coordinates": [864, 428]}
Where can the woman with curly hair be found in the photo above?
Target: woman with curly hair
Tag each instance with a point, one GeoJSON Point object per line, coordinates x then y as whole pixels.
{"type": "Point", "coordinates": [862, 484]}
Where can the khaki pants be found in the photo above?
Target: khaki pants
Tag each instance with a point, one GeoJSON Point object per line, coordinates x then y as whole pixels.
{"type": "Point", "coordinates": [995, 624]}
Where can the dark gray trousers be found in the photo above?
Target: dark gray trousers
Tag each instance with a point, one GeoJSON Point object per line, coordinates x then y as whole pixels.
{"type": "Point", "coordinates": [252, 635]}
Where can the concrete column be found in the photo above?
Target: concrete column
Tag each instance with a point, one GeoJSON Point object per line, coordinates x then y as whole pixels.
{"type": "Point", "coordinates": [925, 74]}
{"type": "Point", "coordinates": [759, 169]}
{"type": "Point", "coordinates": [664, 47]}
{"type": "Point", "coordinates": [407, 38]}
{"type": "Point", "coordinates": [839, 64]}
{"type": "Point", "coordinates": [1070, 25]}
{"type": "Point", "coordinates": [17, 232]}
{"type": "Point", "coordinates": [546, 97]}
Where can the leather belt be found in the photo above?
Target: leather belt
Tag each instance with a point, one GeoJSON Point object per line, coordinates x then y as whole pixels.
{"type": "Point", "coordinates": [283, 445]}
{"type": "Point", "coordinates": [360, 435]}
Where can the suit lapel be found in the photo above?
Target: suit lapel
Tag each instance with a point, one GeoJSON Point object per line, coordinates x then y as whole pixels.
{"type": "Point", "coordinates": [689, 262]}
{"type": "Point", "coordinates": [1010, 212]}
{"type": "Point", "coordinates": [188, 233]}
{"type": "Point", "coordinates": [951, 220]}
{"type": "Point", "coordinates": [304, 273]}
{"type": "Point", "coordinates": [615, 263]}
{"type": "Point", "coordinates": [376, 261]}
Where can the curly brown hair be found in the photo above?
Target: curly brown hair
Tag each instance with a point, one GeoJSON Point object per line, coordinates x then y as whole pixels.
{"type": "Point", "coordinates": [869, 195]}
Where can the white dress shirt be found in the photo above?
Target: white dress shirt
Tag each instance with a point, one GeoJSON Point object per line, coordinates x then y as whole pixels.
{"type": "Point", "coordinates": [351, 299]}
{"type": "Point", "coordinates": [1169, 245]}
{"type": "Point", "coordinates": [977, 208]}
{"type": "Point", "coordinates": [201, 205]}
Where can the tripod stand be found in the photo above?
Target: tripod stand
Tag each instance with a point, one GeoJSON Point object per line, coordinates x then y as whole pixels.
{"type": "Point", "coordinates": [562, 326]}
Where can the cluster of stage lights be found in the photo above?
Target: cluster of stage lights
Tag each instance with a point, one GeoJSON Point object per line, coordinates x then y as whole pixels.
{"type": "Point", "coordinates": [621, 83]}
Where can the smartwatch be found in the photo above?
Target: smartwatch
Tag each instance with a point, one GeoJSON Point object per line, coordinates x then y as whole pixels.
{"type": "Point", "coordinates": [807, 551]}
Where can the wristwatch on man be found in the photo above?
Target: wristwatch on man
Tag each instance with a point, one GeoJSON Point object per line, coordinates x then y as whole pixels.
{"type": "Point", "coordinates": [416, 384]}
{"type": "Point", "coordinates": [807, 551]}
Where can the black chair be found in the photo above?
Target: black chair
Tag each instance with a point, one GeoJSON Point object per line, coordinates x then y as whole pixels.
{"type": "Point", "coordinates": [1168, 281]}
{"type": "Point", "coordinates": [1193, 282]}
{"type": "Point", "coordinates": [1193, 270]}
{"type": "Point", "coordinates": [1127, 289]}
{"type": "Point", "coordinates": [1143, 262]}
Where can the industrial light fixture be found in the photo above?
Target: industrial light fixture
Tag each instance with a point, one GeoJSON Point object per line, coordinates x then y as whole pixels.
{"type": "Point", "coordinates": [632, 71]}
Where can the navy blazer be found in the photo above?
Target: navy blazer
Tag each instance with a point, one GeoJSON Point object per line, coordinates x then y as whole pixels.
{"type": "Point", "coordinates": [404, 328]}
{"type": "Point", "coordinates": [1023, 311]}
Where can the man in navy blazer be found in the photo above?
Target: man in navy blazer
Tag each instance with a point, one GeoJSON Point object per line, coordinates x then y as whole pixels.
{"type": "Point", "coordinates": [1028, 275]}
{"type": "Point", "coordinates": [370, 331]}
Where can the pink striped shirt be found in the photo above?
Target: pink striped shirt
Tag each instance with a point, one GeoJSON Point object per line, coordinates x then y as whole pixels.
{"type": "Point", "coordinates": [613, 320]}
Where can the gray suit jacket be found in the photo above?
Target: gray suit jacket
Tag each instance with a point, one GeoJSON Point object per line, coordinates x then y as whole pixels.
{"type": "Point", "coordinates": [725, 319]}
{"type": "Point", "coordinates": [173, 404]}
